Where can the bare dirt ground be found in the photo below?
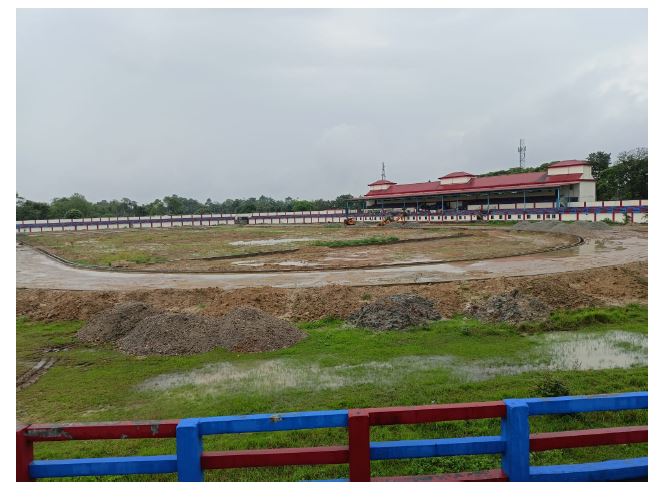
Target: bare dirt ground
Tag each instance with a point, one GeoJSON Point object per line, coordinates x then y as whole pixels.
{"type": "Point", "coordinates": [603, 247]}
{"type": "Point", "coordinates": [226, 249]}
{"type": "Point", "coordinates": [609, 268]}
{"type": "Point", "coordinates": [610, 285]}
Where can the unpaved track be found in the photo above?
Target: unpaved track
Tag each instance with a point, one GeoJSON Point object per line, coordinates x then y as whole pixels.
{"type": "Point", "coordinates": [612, 247]}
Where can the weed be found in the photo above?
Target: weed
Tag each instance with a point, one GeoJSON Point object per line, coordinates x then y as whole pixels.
{"type": "Point", "coordinates": [550, 386]}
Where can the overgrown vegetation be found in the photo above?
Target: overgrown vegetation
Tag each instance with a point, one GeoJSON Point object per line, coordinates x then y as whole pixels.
{"type": "Point", "coordinates": [95, 384]}
{"type": "Point", "coordinates": [373, 240]}
{"type": "Point", "coordinates": [635, 315]}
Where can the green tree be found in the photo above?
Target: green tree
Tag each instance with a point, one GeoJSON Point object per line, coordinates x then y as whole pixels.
{"type": "Point", "coordinates": [76, 201]}
{"type": "Point", "coordinates": [28, 210]}
{"type": "Point", "coordinates": [73, 214]}
{"type": "Point", "coordinates": [302, 205]}
{"type": "Point", "coordinates": [342, 200]}
{"type": "Point", "coordinates": [599, 162]}
{"type": "Point", "coordinates": [628, 178]}
{"type": "Point", "coordinates": [156, 208]}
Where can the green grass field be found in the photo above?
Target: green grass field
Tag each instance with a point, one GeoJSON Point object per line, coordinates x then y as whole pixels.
{"type": "Point", "coordinates": [336, 367]}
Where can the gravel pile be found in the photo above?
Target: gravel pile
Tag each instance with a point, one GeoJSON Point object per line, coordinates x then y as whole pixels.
{"type": "Point", "coordinates": [511, 307]}
{"type": "Point", "coordinates": [395, 312]}
{"type": "Point", "coordinates": [110, 325]}
{"type": "Point", "coordinates": [573, 228]}
{"type": "Point", "coordinates": [136, 329]}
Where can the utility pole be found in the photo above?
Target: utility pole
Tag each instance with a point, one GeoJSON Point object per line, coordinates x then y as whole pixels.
{"type": "Point", "coordinates": [521, 152]}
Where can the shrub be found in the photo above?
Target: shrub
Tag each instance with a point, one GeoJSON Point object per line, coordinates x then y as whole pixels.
{"type": "Point", "coordinates": [73, 214]}
{"type": "Point", "coordinates": [549, 386]}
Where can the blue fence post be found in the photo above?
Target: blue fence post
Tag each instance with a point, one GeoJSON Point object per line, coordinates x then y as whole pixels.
{"type": "Point", "coordinates": [189, 449]}
{"type": "Point", "coordinates": [516, 435]}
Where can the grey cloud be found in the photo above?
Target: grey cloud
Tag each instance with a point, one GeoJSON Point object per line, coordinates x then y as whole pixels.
{"type": "Point", "coordinates": [307, 103]}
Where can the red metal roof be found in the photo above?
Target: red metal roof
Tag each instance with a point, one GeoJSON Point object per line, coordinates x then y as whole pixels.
{"type": "Point", "coordinates": [479, 184]}
{"type": "Point", "coordinates": [382, 182]}
{"type": "Point", "coordinates": [458, 174]}
{"type": "Point", "coordinates": [566, 163]}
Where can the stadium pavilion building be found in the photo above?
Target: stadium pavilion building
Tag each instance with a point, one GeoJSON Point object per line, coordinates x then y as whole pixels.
{"type": "Point", "coordinates": [563, 184]}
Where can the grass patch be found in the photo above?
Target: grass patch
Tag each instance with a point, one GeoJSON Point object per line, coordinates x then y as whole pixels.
{"type": "Point", "coordinates": [100, 384]}
{"type": "Point", "coordinates": [634, 314]}
{"type": "Point", "coordinates": [372, 240]}
{"type": "Point", "coordinates": [503, 223]}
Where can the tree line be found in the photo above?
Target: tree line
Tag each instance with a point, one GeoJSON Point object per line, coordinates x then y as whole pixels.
{"type": "Point", "coordinates": [626, 178]}
{"type": "Point", "coordinates": [77, 206]}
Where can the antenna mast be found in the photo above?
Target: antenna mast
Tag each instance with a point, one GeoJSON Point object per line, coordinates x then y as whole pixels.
{"type": "Point", "coordinates": [382, 173]}
{"type": "Point", "coordinates": [521, 152]}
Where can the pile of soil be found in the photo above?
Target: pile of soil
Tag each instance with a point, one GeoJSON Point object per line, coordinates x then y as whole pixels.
{"type": "Point", "coordinates": [510, 307]}
{"type": "Point", "coordinates": [579, 228]}
{"type": "Point", "coordinates": [252, 330]}
{"type": "Point", "coordinates": [172, 334]}
{"type": "Point", "coordinates": [137, 329]}
{"type": "Point", "coordinates": [112, 324]}
{"type": "Point", "coordinates": [395, 312]}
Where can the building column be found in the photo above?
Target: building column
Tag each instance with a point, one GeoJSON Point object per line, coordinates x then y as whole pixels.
{"type": "Point", "coordinates": [557, 202]}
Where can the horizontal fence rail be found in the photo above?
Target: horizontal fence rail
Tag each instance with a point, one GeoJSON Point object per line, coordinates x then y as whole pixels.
{"type": "Point", "coordinates": [514, 443]}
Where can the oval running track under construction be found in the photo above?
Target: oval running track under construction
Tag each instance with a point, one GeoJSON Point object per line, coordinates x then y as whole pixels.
{"type": "Point", "coordinates": [609, 247]}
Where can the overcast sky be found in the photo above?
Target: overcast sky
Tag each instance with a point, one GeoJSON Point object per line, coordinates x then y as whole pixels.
{"type": "Point", "coordinates": [308, 103]}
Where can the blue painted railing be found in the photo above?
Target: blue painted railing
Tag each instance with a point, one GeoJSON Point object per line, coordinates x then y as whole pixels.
{"type": "Point", "coordinates": [515, 443]}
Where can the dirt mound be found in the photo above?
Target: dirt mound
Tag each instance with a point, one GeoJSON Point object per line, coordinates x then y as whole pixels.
{"type": "Point", "coordinates": [137, 329]}
{"type": "Point", "coordinates": [609, 285]}
{"type": "Point", "coordinates": [395, 312]}
{"type": "Point", "coordinates": [172, 334]}
{"type": "Point", "coordinates": [571, 228]}
{"type": "Point", "coordinates": [112, 324]}
{"type": "Point", "coordinates": [252, 330]}
{"type": "Point", "coordinates": [511, 307]}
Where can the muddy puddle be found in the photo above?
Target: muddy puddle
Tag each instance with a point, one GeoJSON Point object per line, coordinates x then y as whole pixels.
{"type": "Point", "coordinates": [551, 352]}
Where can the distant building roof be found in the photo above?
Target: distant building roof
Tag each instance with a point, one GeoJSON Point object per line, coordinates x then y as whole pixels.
{"type": "Point", "coordinates": [566, 163]}
{"type": "Point", "coordinates": [382, 182]}
{"type": "Point", "coordinates": [458, 174]}
{"type": "Point", "coordinates": [479, 184]}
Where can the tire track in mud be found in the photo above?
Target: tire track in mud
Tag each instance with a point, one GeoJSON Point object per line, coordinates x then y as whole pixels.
{"type": "Point", "coordinates": [34, 373]}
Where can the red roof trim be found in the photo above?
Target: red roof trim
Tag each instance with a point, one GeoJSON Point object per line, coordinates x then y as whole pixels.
{"type": "Point", "coordinates": [382, 182]}
{"type": "Point", "coordinates": [458, 174]}
{"type": "Point", "coordinates": [484, 184]}
{"type": "Point", "coordinates": [566, 163]}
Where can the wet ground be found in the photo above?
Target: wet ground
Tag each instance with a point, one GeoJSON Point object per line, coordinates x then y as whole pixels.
{"type": "Point", "coordinates": [610, 247]}
{"type": "Point", "coordinates": [552, 352]}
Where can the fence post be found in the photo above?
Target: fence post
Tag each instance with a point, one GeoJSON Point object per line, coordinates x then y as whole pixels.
{"type": "Point", "coordinates": [24, 454]}
{"type": "Point", "coordinates": [359, 445]}
{"type": "Point", "coordinates": [516, 434]}
{"type": "Point", "coordinates": [189, 448]}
